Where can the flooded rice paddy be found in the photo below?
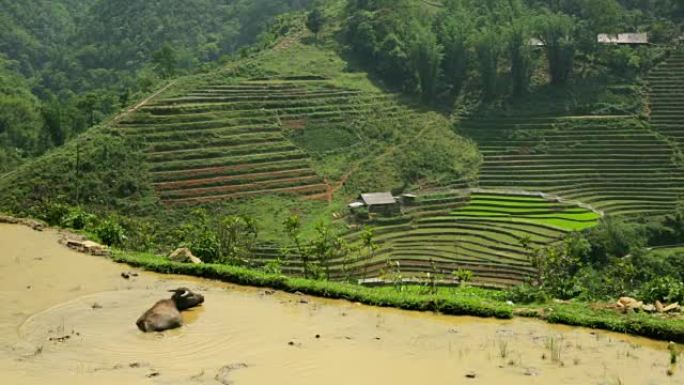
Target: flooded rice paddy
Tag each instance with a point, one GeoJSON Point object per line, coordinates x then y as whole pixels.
{"type": "Point", "coordinates": [70, 319]}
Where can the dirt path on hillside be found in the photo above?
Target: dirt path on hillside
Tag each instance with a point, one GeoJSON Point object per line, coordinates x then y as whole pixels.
{"type": "Point", "coordinates": [143, 102]}
{"type": "Point", "coordinates": [335, 187]}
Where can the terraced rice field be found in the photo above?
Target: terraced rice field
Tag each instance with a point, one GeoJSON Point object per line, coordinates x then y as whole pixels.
{"type": "Point", "coordinates": [222, 142]}
{"type": "Point", "coordinates": [616, 164]}
{"type": "Point", "coordinates": [488, 233]}
{"type": "Point", "coordinates": [666, 83]}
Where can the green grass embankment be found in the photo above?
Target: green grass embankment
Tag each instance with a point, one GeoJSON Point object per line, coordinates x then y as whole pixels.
{"type": "Point", "coordinates": [439, 302]}
{"type": "Point", "coordinates": [640, 324]}
{"type": "Point", "coordinates": [447, 300]}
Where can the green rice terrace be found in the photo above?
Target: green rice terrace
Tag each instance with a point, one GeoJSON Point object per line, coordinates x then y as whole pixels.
{"type": "Point", "coordinates": [620, 164]}
{"type": "Point", "coordinates": [617, 164]}
{"type": "Point", "coordinates": [666, 84]}
{"type": "Point", "coordinates": [246, 137]}
{"type": "Point", "coordinates": [226, 141]}
{"type": "Point", "coordinates": [489, 233]}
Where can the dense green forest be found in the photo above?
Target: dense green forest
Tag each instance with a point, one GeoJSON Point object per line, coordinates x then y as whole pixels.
{"type": "Point", "coordinates": [495, 49]}
{"type": "Point", "coordinates": [67, 64]}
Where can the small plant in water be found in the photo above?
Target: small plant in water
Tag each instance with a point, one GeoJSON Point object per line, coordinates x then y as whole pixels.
{"type": "Point", "coordinates": [674, 352]}
{"type": "Point", "coordinates": [503, 348]}
{"type": "Point", "coordinates": [554, 345]}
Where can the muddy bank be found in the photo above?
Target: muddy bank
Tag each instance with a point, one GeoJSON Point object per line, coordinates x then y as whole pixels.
{"type": "Point", "coordinates": [70, 320]}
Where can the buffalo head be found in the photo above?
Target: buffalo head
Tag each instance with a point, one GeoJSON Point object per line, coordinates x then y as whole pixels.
{"type": "Point", "coordinates": [185, 299]}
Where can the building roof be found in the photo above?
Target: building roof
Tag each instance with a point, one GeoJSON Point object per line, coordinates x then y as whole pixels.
{"type": "Point", "coordinates": [381, 198]}
{"type": "Point", "coordinates": [355, 205]}
{"type": "Point", "coordinates": [535, 42]}
{"type": "Point", "coordinates": [623, 38]}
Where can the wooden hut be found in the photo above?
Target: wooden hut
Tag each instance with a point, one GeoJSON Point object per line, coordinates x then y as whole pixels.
{"type": "Point", "coordinates": [381, 203]}
{"type": "Point", "coordinates": [623, 38]}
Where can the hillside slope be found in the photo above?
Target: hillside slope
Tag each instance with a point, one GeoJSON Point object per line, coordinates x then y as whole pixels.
{"type": "Point", "coordinates": [296, 130]}
{"type": "Point", "coordinates": [289, 121]}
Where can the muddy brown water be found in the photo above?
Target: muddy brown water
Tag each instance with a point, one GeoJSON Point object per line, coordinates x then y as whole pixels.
{"type": "Point", "coordinates": [69, 319]}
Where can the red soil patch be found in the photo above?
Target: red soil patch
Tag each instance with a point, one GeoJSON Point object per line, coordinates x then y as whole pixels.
{"type": "Point", "coordinates": [199, 182]}
{"type": "Point", "coordinates": [242, 187]}
{"type": "Point", "coordinates": [301, 190]}
{"type": "Point", "coordinates": [294, 124]}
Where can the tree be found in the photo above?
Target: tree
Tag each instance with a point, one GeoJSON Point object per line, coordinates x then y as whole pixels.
{"type": "Point", "coordinates": [293, 228]}
{"type": "Point", "coordinates": [488, 49]}
{"type": "Point", "coordinates": [675, 222]}
{"type": "Point", "coordinates": [87, 105]}
{"type": "Point", "coordinates": [236, 236]}
{"type": "Point", "coordinates": [615, 238]}
{"type": "Point", "coordinates": [315, 21]}
{"type": "Point", "coordinates": [425, 56]}
{"type": "Point", "coordinates": [557, 268]}
{"type": "Point", "coordinates": [520, 55]}
{"type": "Point", "coordinates": [327, 246]}
{"type": "Point", "coordinates": [165, 61]}
{"type": "Point", "coordinates": [556, 31]}
{"type": "Point", "coordinates": [200, 237]}
{"type": "Point", "coordinates": [368, 241]}
{"type": "Point", "coordinates": [392, 61]}
{"type": "Point", "coordinates": [362, 36]}
{"type": "Point", "coordinates": [54, 119]}
{"type": "Point", "coordinates": [452, 34]}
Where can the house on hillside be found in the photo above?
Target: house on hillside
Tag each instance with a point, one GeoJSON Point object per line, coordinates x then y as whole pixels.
{"type": "Point", "coordinates": [623, 38]}
{"type": "Point", "coordinates": [381, 203]}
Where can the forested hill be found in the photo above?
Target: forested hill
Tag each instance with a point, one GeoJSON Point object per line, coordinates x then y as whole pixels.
{"type": "Point", "coordinates": [85, 59]}
{"type": "Point", "coordinates": [489, 49]}
{"type": "Point", "coordinates": [78, 44]}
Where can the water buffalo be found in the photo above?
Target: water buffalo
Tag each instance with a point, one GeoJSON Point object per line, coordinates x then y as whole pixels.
{"type": "Point", "coordinates": [165, 314]}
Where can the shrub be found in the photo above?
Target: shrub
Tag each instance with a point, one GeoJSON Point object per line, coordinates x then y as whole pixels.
{"type": "Point", "coordinates": [527, 294]}
{"type": "Point", "coordinates": [53, 213]}
{"type": "Point", "coordinates": [110, 232]}
{"type": "Point", "coordinates": [463, 275]}
{"type": "Point", "coordinates": [624, 61]}
{"type": "Point", "coordinates": [665, 289]}
{"type": "Point", "coordinates": [78, 219]}
{"type": "Point", "coordinates": [205, 245]}
{"type": "Point", "coordinates": [434, 156]}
